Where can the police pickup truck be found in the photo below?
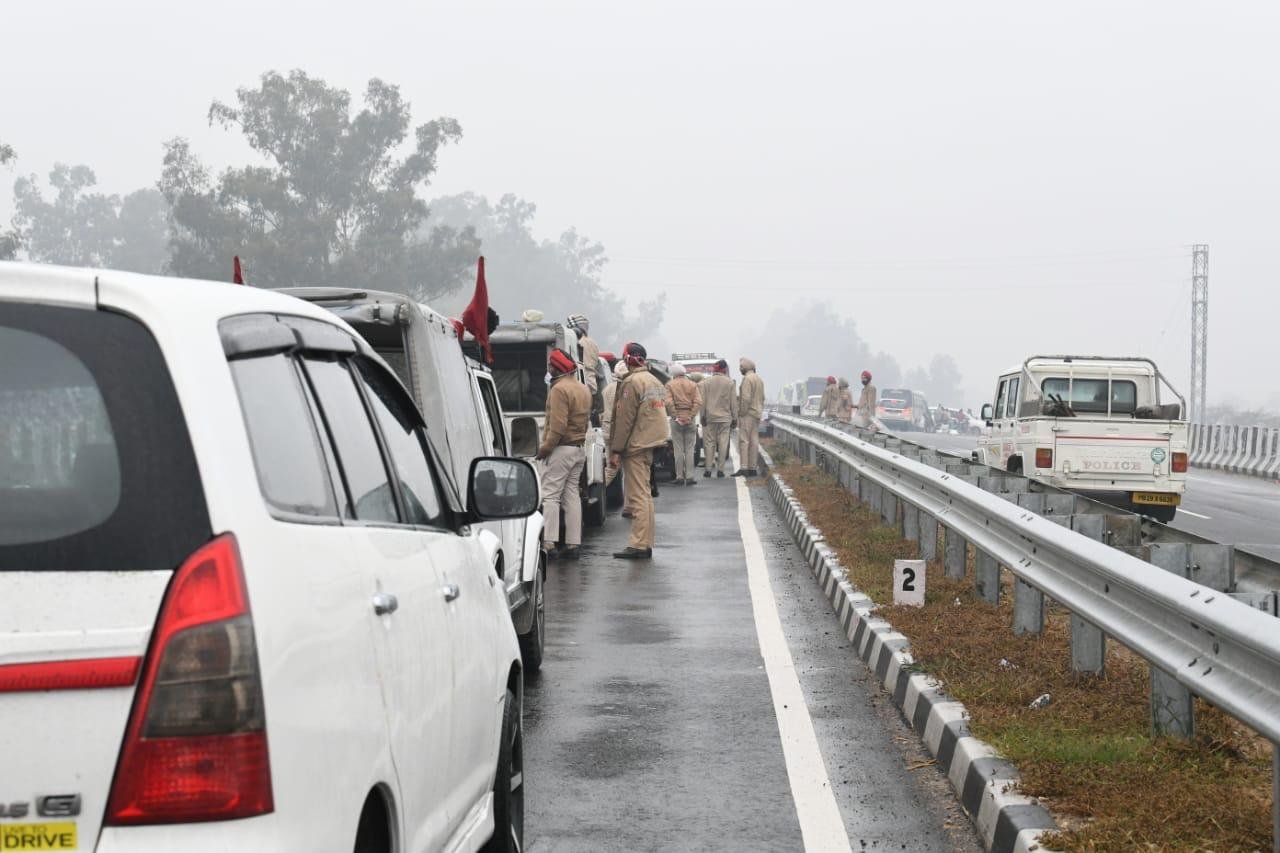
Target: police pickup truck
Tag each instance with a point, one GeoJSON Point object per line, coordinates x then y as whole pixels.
{"type": "Point", "coordinates": [1092, 425]}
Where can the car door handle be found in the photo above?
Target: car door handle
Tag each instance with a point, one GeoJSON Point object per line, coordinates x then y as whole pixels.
{"type": "Point", "coordinates": [450, 591]}
{"type": "Point", "coordinates": [385, 603]}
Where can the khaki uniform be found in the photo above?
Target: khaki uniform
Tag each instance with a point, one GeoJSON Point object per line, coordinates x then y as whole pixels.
{"type": "Point", "coordinates": [867, 406]}
{"type": "Point", "coordinates": [590, 361]}
{"type": "Point", "coordinates": [750, 410]}
{"type": "Point", "coordinates": [684, 404]}
{"type": "Point", "coordinates": [829, 405]}
{"type": "Point", "coordinates": [844, 404]}
{"type": "Point", "coordinates": [606, 421]}
{"type": "Point", "coordinates": [568, 408]}
{"type": "Point", "coordinates": [719, 414]}
{"type": "Point", "coordinates": [639, 425]}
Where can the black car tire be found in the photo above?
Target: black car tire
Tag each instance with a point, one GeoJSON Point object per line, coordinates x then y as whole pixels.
{"type": "Point", "coordinates": [508, 784]}
{"type": "Point", "coordinates": [532, 641]}
{"type": "Point", "coordinates": [596, 512]}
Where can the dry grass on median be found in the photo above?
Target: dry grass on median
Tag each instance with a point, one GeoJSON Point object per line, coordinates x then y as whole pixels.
{"type": "Point", "coordinates": [1089, 754]}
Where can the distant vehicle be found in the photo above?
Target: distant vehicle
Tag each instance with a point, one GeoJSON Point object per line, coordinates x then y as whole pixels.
{"type": "Point", "coordinates": [696, 362]}
{"type": "Point", "coordinates": [459, 400]}
{"type": "Point", "coordinates": [255, 614]}
{"type": "Point", "coordinates": [904, 410]}
{"type": "Point", "coordinates": [811, 405]}
{"type": "Point", "coordinates": [1093, 425]}
{"type": "Point", "coordinates": [520, 352]}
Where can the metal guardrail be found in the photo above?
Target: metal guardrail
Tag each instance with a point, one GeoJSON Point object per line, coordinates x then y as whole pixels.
{"type": "Point", "coordinates": [1253, 450]}
{"type": "Point", "coordinates": [1216, 647]}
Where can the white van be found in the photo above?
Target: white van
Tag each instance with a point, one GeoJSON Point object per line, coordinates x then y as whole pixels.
{"type": "Point", "coordinates": [459, 400]}
{"type": "Point", "coordinates": [243, 606]}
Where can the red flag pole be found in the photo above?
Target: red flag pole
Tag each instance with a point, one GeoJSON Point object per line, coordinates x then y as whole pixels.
{"type": "Point", "coordinates": [237, 275]}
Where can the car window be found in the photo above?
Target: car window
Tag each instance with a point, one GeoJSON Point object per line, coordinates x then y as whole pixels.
{"type": "Point", "coordinates": [998, 411]}
{"type": "Point", "coordinates": [519, 373]}
{"type": "Point", "coordinates": [1012, 410]}
{"type": "Point", "coordinates": [355, 443]}
{"type": "Point", "coordinates": [93, 446]}
{"type": "Point", "coordinates": [292, 473]}
{"type": "Point", "coordinates": [494, 414]}
{"type": "Point", "coordinates": [407, 444]}
{"type": "Point", "coordinates": [1090, 395]}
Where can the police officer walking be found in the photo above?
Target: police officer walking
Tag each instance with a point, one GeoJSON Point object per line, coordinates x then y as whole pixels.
{"type": "Point", "coordinates": [719, 417]}
{"type": "Point", "coordinates": [684, 404]}
{"type": "Point", "coordinates": [568, 410]}
{"type": "Point", "coordinates": [750, 411]}
{"type": "Point", "coordinates": [639, 425]}
{"type": "Point", "coordinates": [844, 402]}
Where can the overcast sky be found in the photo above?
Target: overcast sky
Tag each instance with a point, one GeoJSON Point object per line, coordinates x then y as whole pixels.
{"type": "Point", "coordinates": [986, 179]}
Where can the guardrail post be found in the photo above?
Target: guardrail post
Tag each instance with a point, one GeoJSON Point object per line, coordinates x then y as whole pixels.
{"type": "Point", "coordinates": [986, 577]}
{"type": "Point", "coordinates": [889, 507]}
{"type": "Point", "coordinates": [1088, 643]}
{"type": "Point", "coordinates": [1028, 608]}
{"type": "Point", "coordinates": [928, 536]}
{"type": "Point", "coordinates": [1213, 566]}
{"type": "Point", "coordinates": [910, 521]}
{"type": "Point", "coordinates": [1173, 710]}
{"type": "Point", "coordinates": [956, 553]}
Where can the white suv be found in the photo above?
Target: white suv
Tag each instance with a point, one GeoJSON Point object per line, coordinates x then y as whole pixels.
{"type": "Point", "coordinates": [241, 607]}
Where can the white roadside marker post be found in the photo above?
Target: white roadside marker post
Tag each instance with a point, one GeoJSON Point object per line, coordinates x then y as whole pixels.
{"type": "Point", "coordinates": [908, 582]}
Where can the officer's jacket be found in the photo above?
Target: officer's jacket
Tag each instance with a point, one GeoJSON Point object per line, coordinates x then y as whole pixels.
{"type": "Point", "coordinates": [639, 413]}
{"type": "Point", "coordinates": [719, 402]}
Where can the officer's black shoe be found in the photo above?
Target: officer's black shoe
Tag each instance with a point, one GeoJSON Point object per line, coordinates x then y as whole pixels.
{"type": "Point", "coordinates": [691, 482]}
{"type": "Point", "coordinates": [629, 553]}
{"type": "Point", "coordinates": [706, 473]}
{"type": "Point", "coordinates": [720, 474]}
{"type": "Point", "coordinates": [741, 472]}
{"type": "Point", "coordinates": [570, 553]}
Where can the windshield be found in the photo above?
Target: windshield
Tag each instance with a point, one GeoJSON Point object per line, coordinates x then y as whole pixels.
{"type": "Point", "coordinates": [520, 374]}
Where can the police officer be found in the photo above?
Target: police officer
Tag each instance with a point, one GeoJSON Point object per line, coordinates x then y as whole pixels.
{"type": "Point", "coordinates": [639, 425]}
{"type": "Point", "coordinates": [568, 410]}
{"type": "Point", "coordinates": [828, 406]}
{"type": "Point", "coordinates": [590, 358]}
{"type": "Point", "coordinates": [684, 404]}
{"type": "Point", "coordinates": [750, 411]}
{"type": "Point", "coordinates": [719, 417]}
{"type": "Point", "coordinates": [844, 402]}
{"type": "Point", "coordinates": [867, 402]}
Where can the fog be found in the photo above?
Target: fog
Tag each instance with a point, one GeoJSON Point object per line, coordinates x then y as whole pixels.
{"type": "Point", "coordinates": [984, 180]}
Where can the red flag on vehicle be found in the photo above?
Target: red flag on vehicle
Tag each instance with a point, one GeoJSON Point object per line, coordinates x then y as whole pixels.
{"type": "Point", "coordinates": [237, 275]}
{"type": "Point", "coordinates": [475, 319]}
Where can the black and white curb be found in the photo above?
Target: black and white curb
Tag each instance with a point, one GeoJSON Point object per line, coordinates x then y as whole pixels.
{"type": "Point", "coordinates": [1007, 822]}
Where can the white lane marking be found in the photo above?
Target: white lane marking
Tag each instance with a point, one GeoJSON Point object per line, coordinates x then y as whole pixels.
{"type": "Point", "coordinates": [1184, 511]}
{"type": "Point", "coordinates": [820, 822]}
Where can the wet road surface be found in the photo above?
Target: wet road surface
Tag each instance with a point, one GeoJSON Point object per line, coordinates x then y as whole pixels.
{"type": "Point", "coordinates": [652, 727]}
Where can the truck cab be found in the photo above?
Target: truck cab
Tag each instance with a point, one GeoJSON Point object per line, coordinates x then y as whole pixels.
{"type": "Point", "coordinates": [520, 352]}
{"type": "Point", "coordinates": [1093, 425]}
{"type": "Point", "coordinates": [461, 405]}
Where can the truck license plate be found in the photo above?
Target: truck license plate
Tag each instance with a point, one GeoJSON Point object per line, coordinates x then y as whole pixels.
{"type": "Point", "coordinates": [1158, 498]}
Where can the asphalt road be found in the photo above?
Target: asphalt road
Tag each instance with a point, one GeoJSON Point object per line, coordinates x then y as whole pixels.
{"type": "Point", "coordinates": [652, 725]}
{"type": "Point", "coordinates": [1228, 508]}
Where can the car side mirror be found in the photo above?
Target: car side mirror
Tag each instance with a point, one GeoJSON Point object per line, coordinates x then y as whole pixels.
{"type": "Point", "coordinates": [987, 413]}
{"type": "Point", "coordinates": [499, 488]}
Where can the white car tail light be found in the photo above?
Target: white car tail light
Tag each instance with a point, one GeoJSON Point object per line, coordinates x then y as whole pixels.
{"type": "Point", "coordinates": [196, 745]}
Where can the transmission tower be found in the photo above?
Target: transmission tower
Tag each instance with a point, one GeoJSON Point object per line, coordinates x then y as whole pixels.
{"type": "Point", "coordinates": [1199, 329]}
